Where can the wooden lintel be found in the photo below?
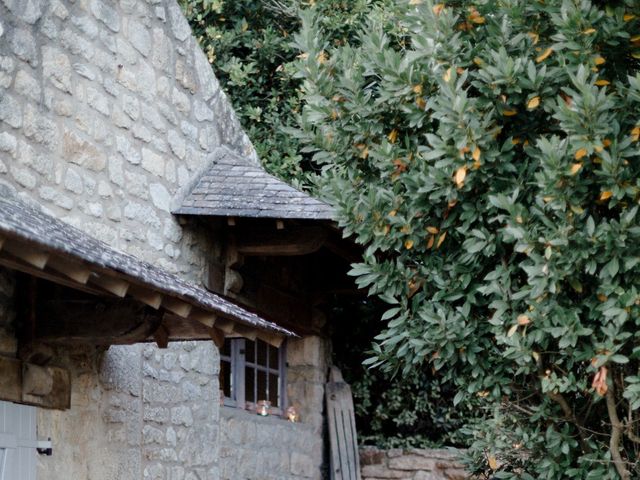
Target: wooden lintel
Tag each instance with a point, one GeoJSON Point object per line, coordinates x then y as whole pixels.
{"type": "Point", "coordinates": [206, 318]}
{"type": "Point", "coordinates": [161, 336]}
{"type": "Point", "coordinates": [180, 308]}
{"type": "Point", "coordinates": [146, 296]}
{"type": "Point", "coordinates": [217, 336]}
{"type": "Point", "coordinates": [289, 242]}
{"type": "Point", "coordinates": [111, 284]}
{"type": "Point", "coordinates": [245, 331]}
{"type": "Point", "coordinates": [73, 270]}
{"type": "Point", "coordinates": [225, 325]}
{"type": "Point", "coordinates": [272, 339]}
{"type": "Point", "coordinates": [28, 255]}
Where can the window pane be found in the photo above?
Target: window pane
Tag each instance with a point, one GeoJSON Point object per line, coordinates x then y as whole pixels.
{"type": "Point", "coordinates": [262, 353]}
{"type": "Point", "coordinates": [226, 348]}
{"type": "Point", "coordinates": [250, 351]}
{"type": "Point", "coordinates": [249, 385]}
{"type": "Point", "coordinates": [262, 386]}
{"type": "Point", "coordinates": [274, 393]}
{"type": "Point", "coordinates": [225, 378]}
{"type": "Point", "coordinates": [273, 358]}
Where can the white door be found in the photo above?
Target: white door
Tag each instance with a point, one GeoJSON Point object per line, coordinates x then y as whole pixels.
{"type": "Point", "coordinates": [18, 442]}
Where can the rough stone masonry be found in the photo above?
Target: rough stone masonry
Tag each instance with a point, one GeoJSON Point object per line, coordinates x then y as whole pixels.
{"type": "Point", "coordinates": [107, 110]}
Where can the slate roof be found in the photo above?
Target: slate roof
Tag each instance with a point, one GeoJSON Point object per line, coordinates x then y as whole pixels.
{"type": "Point", "coordinates": [235, 187]}
{"type": "Point", "coordinates": [28, 225]}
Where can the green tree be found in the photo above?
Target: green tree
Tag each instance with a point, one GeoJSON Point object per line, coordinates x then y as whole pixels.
{"type": "Point", "coordinates": [486, 153]}
{"type": "Point", "coordinates": [248, 44]}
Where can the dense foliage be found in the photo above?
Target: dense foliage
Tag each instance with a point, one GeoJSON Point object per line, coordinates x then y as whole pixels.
{"type": "Point", "coordinates": [249, 46]}
{"type": "Point", "coordinates": [487, 155]}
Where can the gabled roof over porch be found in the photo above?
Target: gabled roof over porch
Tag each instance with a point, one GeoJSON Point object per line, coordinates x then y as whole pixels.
{"type": "Point", "coordinates": [47, 248]}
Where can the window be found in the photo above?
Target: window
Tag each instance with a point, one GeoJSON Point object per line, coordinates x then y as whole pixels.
{"type": "Point", "coordinates": [251, 371]}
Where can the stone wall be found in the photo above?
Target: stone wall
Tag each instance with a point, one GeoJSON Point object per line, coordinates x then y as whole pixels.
{"type": "Point", "coordinates": [411, 464]}
{"type": "Point", "coordinates": [107, 109]}
{"type": "Point", "coordinates": [137, 412]}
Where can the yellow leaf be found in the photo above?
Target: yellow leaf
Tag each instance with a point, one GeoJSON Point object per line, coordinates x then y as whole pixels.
{"type": "Point", "coordinates": [421, 103]}
{"type": "Point", "coordinates": [417, 89]}
{"type": "Point", "coordinates": [364, 153]}
{"type": "Point", "coordinates": [545, 54]}
{"type": "Point", "coordinates": [628, 17]}
{"type": "Point", "coordinates": [598, 148]}
{"type": "Point", "coordinates": [580, 153]}
{"type": "Point", "coordinates": [602, 297]}
{"type": "Point", "coordinates": [415, 2]}
{"type": "Point", "coordinates": [515, 140]}
{"type": "Point", "coordinates": [393, 136]}
{"type": "Point", "coordinates": [606, 195]}
{"type": "Point", "coordinates": [478, 19]}
{"type": "Point", "coordinates": [460, 175]}
{"type": "Point", "coordinates": [477, 164]}
{"type": "Point", "coordinates": [523, 320]}
{"type": "Point", "coordinates": [478, 61]}
{"type": "Point", "coordinates": [575, 168]}
{"type": "Point", "coordinates": [493, 463]}
{"type": "Point", "coordinates": [635, 39]}
{"type": "Point", "coordinates": [636, 55]}
{"type": "Point", "coordinates": [408, 244]}
{"type": "Point", "coordinates": [441, 239]}
{"type": "Point", "coordinates": [476, 154]}
{"type": "Point", "coordinates": [509, 113]}
{"type": "Point", "coordinates": [437, 8]}
{"type": "Point", "coordinates": [393, 213]}
{"type": "Point", "coordinates": [534, 37]}
{"type": "Point", "coordinates": [602, 83]}
{"type": "Point", "coordinates": [536, 356]}
{"type": "Point", "coordinates": [512, 330]}
{"type": "Point", "coordinates": [483, 393]}
{"type": "Point", "coordinates": [606, 142]}
{"type": "Point", "coordinates": [322, 58]}
{"type": "Point", "coordinates": [432, 239]}
{"type": "Point", "coordinates": [599, 60]}
{"type": "Point", "coordinates": [386, 229]}
{"type": "Point", "coordinates": [447, 75]}
{"type": "Point", "coordinates": [533, 103]}
{"type": "Point", "coordinates": [519, 219]}
{"type": "Point", "coordinates": [589, 31]}
{"type": "Point", "coordinates": [433, 230]}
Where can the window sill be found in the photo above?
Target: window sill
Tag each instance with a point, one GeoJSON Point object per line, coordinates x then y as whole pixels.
{"type": "Point", "coordinates": [232, 412]}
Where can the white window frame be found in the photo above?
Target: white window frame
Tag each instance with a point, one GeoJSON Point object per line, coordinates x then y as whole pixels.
{"type": "Point", "coordinates": [238, 363]}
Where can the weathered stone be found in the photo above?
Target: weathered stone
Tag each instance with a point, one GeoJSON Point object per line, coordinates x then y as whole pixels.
{"type": "Point", "coordinates": [23, 45]}
{"type": "Point", "coordinates": [97, 101]}
{"type": "Point", "coordinates": [9, 144]}
{"type": "Point", "coordinates": [202, 112]}
{"type": "Point", "coordinates": [152, 162]}
{"type": "Point", "coordinates": [27, 86]}
{"type": "Point", "coordinates": [412, 462]}
{"type": "Point", "coordinates": [180, 101]}
{"type": "Point", "coordinates": [139, 37]}
{"type": "Point", "coordinates": [127, 150]}
{"type": "Point", "coordinates": [10, 111]}
{"type": "Point", "coordinates": [73, 181]}
{"type": "Point", "coordinates": [179, 24]}
{"type": "Point", "coordinates": [208, 83]}
{"type": "Point", "coordinates": [7, 66]}
{"type": "Point", "coordinates": [160, 196]}
{"type": "Point", "coordinates": [106, 15]}
{"type": "Point", "coordinates": [82, 152]}
{"type": "Point", "coordinates": [116, 172]}
{"type": "Point", "coordinates": [301, 465]}
{"type": "Point", "coordinates": [141, 132]}
{"type": "Point", "coordinates": [28, 11]}
{"type": "Point", "coordinates": [177, 144]}
{"type": "Point", "coordinates": [57, 68]}
{"type": "Point", "coordinates": [146, 79]}
{"type": "Point", "coordinates": [76, 44]}
{"type": "Point", "coordinates": [86, 26]}
{"type": "Point", "coordinates": [23, 176]}
{"type": "Point", "coordinates": [136, 184]}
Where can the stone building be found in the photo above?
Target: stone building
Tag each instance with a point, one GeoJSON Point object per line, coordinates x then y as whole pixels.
{"type": "Point", "coordinates": [150, 270]}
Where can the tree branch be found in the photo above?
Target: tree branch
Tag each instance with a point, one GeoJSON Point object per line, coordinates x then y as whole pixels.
{"type": "Point", "coordinates": [564, 405]}
{"type": "Point", "coordinates": [616, 436]}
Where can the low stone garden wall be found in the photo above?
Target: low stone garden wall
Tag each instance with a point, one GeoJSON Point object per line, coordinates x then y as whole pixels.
{"type": "Point", "coordinates": [411, 464]}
